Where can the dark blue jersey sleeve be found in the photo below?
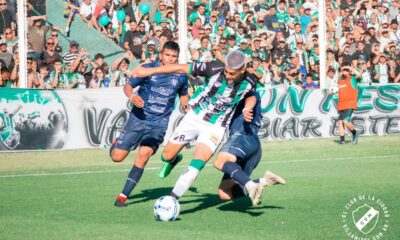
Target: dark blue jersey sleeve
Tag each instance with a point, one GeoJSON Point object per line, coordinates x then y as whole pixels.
{"type": "Point", "coordinates": [250, 78]}
{"type": "Point", "coordinates": [250, 94]}
{"type": "Point", "coordinates": [137, 81]}
{"type": "Point", "coordinates": [183, 90]}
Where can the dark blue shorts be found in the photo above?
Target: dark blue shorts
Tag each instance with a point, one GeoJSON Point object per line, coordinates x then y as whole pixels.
{"type": "Point", "coordinates": [345, 115]}
{"type": "Point", "coordinates": [246, 148]}
{"type": "Point", "coordinates": [137, 133]}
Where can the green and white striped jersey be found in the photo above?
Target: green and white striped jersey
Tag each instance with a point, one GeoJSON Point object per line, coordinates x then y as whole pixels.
{"type": "Point", "coordinates": [282, 16]}
{"type": "Point", "coordinates": [216, 100]}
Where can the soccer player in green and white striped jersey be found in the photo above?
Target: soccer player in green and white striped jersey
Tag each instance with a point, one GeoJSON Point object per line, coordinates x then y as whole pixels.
{"type": "Point", "coordinates": [212, 107]}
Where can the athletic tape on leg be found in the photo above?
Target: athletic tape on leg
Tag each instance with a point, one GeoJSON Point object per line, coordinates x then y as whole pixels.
{"type": "Point", "coordinates": [185, 181]}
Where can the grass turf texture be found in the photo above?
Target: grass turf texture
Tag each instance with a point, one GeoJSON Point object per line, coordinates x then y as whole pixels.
{"type": "Point", "coordinates": [70, 194]}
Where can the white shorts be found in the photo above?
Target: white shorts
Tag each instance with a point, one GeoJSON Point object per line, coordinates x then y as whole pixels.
{"type": "Point", "coordinates": [192, 127]}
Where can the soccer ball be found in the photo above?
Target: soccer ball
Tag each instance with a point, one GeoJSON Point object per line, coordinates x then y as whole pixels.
{"type": "Point", "coordinates": [166, 208]}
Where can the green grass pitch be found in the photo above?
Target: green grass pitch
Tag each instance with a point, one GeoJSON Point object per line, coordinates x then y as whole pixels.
{"type": "Point", "coordinates": [70, 194]}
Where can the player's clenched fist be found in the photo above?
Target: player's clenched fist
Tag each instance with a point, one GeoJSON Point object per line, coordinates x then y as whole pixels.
{"type": "Point", "coordinates": [247, 114]}
{"type": "Point", "coordinates": [137, 101]}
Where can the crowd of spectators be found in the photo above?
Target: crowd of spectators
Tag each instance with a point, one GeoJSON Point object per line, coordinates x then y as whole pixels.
{"type": "Point", "coordinates": [279, 37]}
{"type": "Point", "coordinates": [365, 36]}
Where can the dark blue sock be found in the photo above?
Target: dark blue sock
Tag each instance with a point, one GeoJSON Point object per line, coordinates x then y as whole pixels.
{"type": "Point", "coordinates": [235, 172]}
{"type": "Point", "coordinates": [133, 178]}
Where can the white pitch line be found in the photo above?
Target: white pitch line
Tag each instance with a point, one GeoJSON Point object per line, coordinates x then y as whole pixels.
{"type": "Point", "coordinates": [208, 165]}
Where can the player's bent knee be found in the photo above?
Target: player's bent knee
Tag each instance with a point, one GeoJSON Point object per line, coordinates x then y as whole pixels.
{"type": "Point", "coordinates": [118, 156]}
{"type": "Point", "coordinates": [218, 165]}
{"type": "Point", "coordinates": [222, 158]}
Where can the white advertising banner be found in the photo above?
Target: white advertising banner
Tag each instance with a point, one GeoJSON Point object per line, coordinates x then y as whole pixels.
{"type": "Point", "coordinates": [73, 119]}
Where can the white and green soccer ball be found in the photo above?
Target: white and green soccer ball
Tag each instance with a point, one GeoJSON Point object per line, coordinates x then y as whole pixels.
{"type": "Point", "coordinates": [166, 208]}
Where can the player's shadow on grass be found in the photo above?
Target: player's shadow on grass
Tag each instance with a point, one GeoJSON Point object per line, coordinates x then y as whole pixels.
{"type": "Point", "coordinates": [152, 194]}
{"type": "Point", "coordinates": [242, 205]}
{"type": "Point", "coordinates": [346, 141]}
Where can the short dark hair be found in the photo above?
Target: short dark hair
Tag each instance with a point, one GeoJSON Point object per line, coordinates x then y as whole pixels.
{"type": "Point", "coordinates": [4, 69]}
{"type": "Point", "coordinates": [98, 55]}
{"type": "Point", "coordinates": [204, 37]}
{"type": "Point", "coordinates": [99, 68]}
{"type": "Point", "coordinates": [256, 59]}
{"type": "Point", "coordinates": [171, 45]}
{"type": "Point", "coordinates": [44, 65]}
{"type": "Point", "coordinates": [330, 51]}
{"type": "Point", "coordinates": [232, 37]}
{"type": "Point", "coordinates": [126, 60]}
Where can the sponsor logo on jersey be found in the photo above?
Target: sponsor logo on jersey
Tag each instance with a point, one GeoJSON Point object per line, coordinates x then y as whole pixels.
{"type": "Point", "coordinates": [174, 82]}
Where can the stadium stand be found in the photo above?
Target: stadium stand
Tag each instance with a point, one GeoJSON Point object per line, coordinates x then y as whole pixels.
{"type": "Point", "coordinates": [280, 37]}
{"type": "Point", "coordinates": [87, 37]}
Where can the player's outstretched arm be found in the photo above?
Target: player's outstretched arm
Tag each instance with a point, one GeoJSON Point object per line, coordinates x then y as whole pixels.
{"type": "Point", "coordinates": [141, 71]}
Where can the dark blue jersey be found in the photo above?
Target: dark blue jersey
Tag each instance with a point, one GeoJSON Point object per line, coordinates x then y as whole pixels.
{"type": "Point", "coordinates": [239, 125]}
{"type": "Point", "coordinates": [158, 93]}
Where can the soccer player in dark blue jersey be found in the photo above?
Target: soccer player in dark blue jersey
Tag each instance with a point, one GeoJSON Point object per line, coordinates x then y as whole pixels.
{"type": "Point", "coordinates": [148, 120]}
{"type": "Point", "coordinates": [241, 154]}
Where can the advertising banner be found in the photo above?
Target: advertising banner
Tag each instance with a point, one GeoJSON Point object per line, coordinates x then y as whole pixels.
{"type": "Point", "coordinates": [92, 118]}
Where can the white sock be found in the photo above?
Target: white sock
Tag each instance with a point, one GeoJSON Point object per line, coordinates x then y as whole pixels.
{"type": "Point", "coordinates": [263, 181]}
{"type": "Point", "coordinates": [250, 184]}
{"type": "Point", "coordinates": [185, 181]}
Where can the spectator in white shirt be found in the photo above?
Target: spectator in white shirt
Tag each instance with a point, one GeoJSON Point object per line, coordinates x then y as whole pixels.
{"type": "Point", "coordinates": [86, 10]}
